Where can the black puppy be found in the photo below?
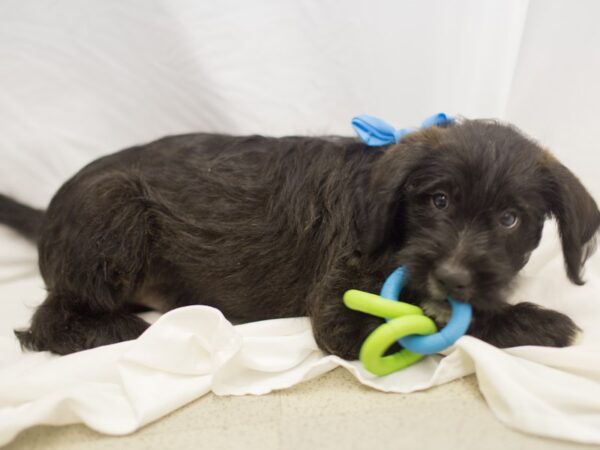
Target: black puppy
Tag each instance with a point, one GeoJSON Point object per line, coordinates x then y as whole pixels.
{"type": "Point", "coordinates": [277, 227]}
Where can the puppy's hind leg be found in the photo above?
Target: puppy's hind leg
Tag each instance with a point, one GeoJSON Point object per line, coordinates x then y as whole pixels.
{"type": "Point", "coordinates": [93, 262]}
{"type": "Point", "coordinates": [61, 329]}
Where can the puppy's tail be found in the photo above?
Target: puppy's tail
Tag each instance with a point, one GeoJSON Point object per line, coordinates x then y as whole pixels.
{"type": "Point", "coordinates": [25, 219]}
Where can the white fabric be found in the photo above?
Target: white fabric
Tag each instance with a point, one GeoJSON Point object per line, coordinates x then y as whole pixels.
{"type": "Point", "coordinates": [81, 79]}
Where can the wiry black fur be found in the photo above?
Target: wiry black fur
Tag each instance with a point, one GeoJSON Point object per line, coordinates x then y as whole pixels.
{"type": "Point", "coordinates": [277, 227]}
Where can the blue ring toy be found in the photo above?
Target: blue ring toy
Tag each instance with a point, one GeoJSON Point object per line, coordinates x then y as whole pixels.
{"type": "Point", "coordinates": [434, 343]}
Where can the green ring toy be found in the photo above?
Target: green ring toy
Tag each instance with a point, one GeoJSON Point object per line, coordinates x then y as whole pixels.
{"type": "Point", "coordinates": [406, 319]}
{"type": "Point", "coordinates": [416, 332]}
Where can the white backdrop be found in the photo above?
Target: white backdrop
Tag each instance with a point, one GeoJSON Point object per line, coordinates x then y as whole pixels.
{"type": "Point", "coordinates": [79, 79]}
{"type": "Point", "coordinates": [555, 90]}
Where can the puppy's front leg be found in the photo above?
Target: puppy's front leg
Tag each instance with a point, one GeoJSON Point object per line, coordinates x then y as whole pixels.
{"type": "Point", "coordinates": [524, 324]}
{"type": "Point", "coordinates": [339, 330]}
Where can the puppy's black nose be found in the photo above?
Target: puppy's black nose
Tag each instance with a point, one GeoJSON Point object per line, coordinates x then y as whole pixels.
{"type": "Point", "coordinates": [455, 279]}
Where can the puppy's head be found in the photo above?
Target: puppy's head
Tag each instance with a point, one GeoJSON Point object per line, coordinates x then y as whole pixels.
{"type": "Point", "coordinates": [463, 207]}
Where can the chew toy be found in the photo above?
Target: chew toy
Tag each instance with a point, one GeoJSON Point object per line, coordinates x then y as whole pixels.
{"type": "Point", "coordinates": [406, 324]}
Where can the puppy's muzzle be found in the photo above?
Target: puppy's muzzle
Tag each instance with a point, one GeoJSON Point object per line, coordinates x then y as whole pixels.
{"type": "Point", "coordinates": [454, 279]}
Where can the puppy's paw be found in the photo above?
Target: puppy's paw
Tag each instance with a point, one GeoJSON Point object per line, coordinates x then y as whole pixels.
{"type": "Point", "coordinates": [549, 328]}
{"type": "Point", "coordinates": [344, 337]}
{"type": "Point", "coordinates": [527, 324]}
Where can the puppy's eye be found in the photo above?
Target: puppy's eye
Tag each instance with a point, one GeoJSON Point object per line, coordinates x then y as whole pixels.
{"type": "Point", "coordinates": [509, 219]}
{"type": "Point", "coordinates": [439, 200]}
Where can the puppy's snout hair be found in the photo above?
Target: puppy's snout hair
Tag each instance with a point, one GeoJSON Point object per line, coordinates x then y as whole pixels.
{"type": "Point", "coordinates": [455, 269]}
{"type": "Point", "coordinates": [454, 278]}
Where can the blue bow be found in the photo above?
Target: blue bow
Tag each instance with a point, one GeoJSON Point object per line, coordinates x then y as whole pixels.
{"type": "Point", "coordinates": [375, 132]}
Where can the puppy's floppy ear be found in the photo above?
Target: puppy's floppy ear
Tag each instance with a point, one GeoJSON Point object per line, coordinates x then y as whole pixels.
{"type": "Point", "coordinates": [389, 181]}
{"type": "Point", "coordinates": [577, 215]}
